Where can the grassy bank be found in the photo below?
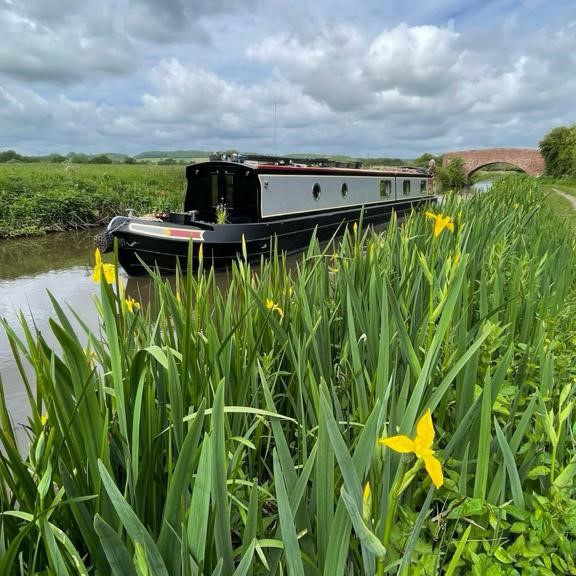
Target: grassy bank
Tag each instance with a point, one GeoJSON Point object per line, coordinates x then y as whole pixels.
{"type": "Point", "coordinates": [239, 432]}
{"type": "Point", "coordinates": [562, 208]}
{"type": "Point", "coordinates": [37, 198]}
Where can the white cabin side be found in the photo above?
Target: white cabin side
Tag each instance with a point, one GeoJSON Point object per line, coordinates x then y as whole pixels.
{"type": "Point", "coordinates": [292, 194]}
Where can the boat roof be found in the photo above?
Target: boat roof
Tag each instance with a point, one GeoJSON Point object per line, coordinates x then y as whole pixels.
{"type": "Point", "coordinates": [269, 168]}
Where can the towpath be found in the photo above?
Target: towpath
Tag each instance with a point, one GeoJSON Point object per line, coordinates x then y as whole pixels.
{"type": "Point", "coordinates": [569, 197]}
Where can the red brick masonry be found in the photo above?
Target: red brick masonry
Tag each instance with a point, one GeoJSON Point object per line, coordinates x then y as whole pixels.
{"type": "Point", "coordinates": [527, 159]}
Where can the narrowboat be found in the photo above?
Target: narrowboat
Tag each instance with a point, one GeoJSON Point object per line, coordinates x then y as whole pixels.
{"type": "Point", "coordinates": [231, 202]}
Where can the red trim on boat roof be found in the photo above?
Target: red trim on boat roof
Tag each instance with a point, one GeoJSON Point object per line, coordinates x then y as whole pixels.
{"type": "Point", "coordinates": [334, 170]}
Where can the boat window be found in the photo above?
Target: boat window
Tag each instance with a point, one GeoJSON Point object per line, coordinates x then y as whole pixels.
{"type": "Point", "coordinates": [385, 188]}
{"type": "Point", "coordinates": [210, 186]}
{"type": "Point", "coordinates": [344, 190]}
{"type": "Point", "coordinates": [316, 191]}
{"type": "Point", "coordinates": [214, 190]}
{"type": "Point", "coordinates": [229, 185]}
{"type": "Point", "coordinates": [422, 186]}
{"type": "Point", "coordinates": [406, 187]}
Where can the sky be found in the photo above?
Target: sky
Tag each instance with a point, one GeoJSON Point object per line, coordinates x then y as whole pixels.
{"type": "Point", "coordinates": [359, 77]}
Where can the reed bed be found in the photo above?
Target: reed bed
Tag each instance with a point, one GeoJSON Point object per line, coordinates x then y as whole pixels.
{"type": "Point", "coordinates": [38, 198]}
{"type": "Point", "coordinates": [238, 431]}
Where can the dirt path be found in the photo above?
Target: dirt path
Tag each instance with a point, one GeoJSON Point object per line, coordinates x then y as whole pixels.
{"type": "Point", "coordinates": [569, 197]}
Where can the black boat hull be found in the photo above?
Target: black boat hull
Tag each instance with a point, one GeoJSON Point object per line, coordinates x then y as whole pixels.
{"type": "Point", "coordinates": [222, 244]}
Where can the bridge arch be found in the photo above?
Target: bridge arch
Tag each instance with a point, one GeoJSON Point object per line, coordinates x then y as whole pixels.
{"type": "Point", "coordinates": [481, 167]}
{"type": "Point", "coordinates": [528, 160]}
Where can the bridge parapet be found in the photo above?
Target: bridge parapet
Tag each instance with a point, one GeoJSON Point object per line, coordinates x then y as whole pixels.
{"type": "Point", "coordinates": [527, 159]}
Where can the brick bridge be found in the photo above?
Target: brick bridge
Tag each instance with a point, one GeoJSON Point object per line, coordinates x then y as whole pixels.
{"type": "Point", "coordinates": [529, 160]}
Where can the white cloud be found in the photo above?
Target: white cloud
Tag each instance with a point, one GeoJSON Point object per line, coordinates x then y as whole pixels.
{"type": "Point", "coordinates": [33, 51]}
{"type": "Point", "coordinates": [137, 74]}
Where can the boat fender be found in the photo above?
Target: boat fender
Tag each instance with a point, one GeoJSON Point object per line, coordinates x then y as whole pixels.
{"type": "Point", "coordinates": [104, 241]}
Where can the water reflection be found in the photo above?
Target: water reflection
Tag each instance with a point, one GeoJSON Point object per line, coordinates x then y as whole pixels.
{"type": "Point", "coordinates": [32, 256]}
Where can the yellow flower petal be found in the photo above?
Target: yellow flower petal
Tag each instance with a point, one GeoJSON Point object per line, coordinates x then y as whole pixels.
{"type": "Point", "coordinates": [109, 273]}
{"type": "Point", "coordinates": [434, 469]}
{"type": "Point", "coordinates": [400, 443]}
{"type": "Point", "coordinates": [279, 310]}
{"type": "Point", "coordinates": [269, 304]}
{"type": "Point", "coordinates": [425, 430]}
{"type": "Point", "coordinates": [97, 257]}
{"type": "Point", "coordinates": [367, 503]}
{"type": "Point", "coordinates": [132, 304]}
{"type": "Point", "coordinates": [44, 419]}
{"type": "Point", "coordinates": [440, 222]}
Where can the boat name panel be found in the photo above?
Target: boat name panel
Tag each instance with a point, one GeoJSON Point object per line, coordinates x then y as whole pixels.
{"type": "Point", "coordinates": [167, 232]}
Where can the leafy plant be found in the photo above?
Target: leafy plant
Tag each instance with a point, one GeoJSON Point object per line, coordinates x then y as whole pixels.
{"type": "Point", "coordinates": [237, 431]}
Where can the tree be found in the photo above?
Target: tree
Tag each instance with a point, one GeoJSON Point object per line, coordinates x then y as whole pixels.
{"type": "Point", "coordinates": [453, 175]}
{"type": "Point", "coordinates": [422, 161]}
{"type": "Point", "coordinates": [558, 149]}
{"type": "Point", "coordinates": [8, 155]}
{"type": "Point", "coordinates": [56, 158]}
{"type": "Point", "coordinates": [100, 159]}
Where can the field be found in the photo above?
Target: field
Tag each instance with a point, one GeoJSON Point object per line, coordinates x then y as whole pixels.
{"type": "Point", "coordinates": [254, 431]}
{"type": "Point", "coordinates": [38, 198]}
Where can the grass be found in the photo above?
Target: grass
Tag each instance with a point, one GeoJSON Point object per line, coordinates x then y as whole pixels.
{"type": "Point", "coordinates": [237, 432]}
{"type": "Point", "coordinates": [560, 206]}
{"type": "Point", "coordinates": [38, 198]}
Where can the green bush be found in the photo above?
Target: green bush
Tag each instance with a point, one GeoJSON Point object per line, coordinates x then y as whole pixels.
{"type": "Point", "coordinates": [453, 175]}
{"type": "Point", "coordinates": [44, 197]}
{"type": "Point", "coordinates": [558, 148]}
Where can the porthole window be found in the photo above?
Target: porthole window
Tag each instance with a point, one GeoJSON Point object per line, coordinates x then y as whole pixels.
{"type": "Point", "coordinates": [344, 190]}
{"type": "Point", "coordinates": [406, 187]}
{"type": "Point", "coordinates": [316, 191]}
{"type": "Point", "coordinates": [385, 188]}
{"type": "Point", "coordinates": [422, 186]}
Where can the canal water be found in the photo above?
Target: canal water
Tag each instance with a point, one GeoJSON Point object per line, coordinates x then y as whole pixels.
{"type": "Point", "coordinates": [30, 269]}
{"type": "Point", "coordinates": [481, 186]}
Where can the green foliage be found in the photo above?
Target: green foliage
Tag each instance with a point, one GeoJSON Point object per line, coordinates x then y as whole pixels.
{"type": "Point", "coordinates": [558, 148]}
{"type": "Point", "coordinates": [453, 175]}
{"type": "Point", "coordinates": [9, 155]}
{"type": "Point", "coordinates": [100, 159]}
{"type": "Point", "coordinates": [422, 161]}
{"type": "Point", "coordinates": [206, 433]}
{"type": "Point", "coordinates": [47, 197]}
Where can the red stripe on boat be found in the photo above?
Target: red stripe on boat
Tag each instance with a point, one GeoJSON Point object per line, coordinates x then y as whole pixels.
{"type": "Point", "coordinates": [181, 233]}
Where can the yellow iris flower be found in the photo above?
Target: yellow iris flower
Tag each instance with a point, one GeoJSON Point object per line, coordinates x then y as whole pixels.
{"type": "Point", "coordinates": [421, 445]}
{"type": "Point", "coordinates": [274, 307]}
{"type": "Point", "coordinates": [108, 269]}
{"type": "Point", "coordinates": [367, 502]}
{"type": "Point", "coordinates": [44, 419]}
{"type": "Point", "coordinates": [132, 304]}
{"type": "Point", "coordinates": [440, 222]}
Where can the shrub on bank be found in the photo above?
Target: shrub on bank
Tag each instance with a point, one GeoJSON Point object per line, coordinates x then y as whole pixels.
{"type": "Point", "coordinates": [242, 432]}
{"type": "Point", "coordinates": [37, 198]}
